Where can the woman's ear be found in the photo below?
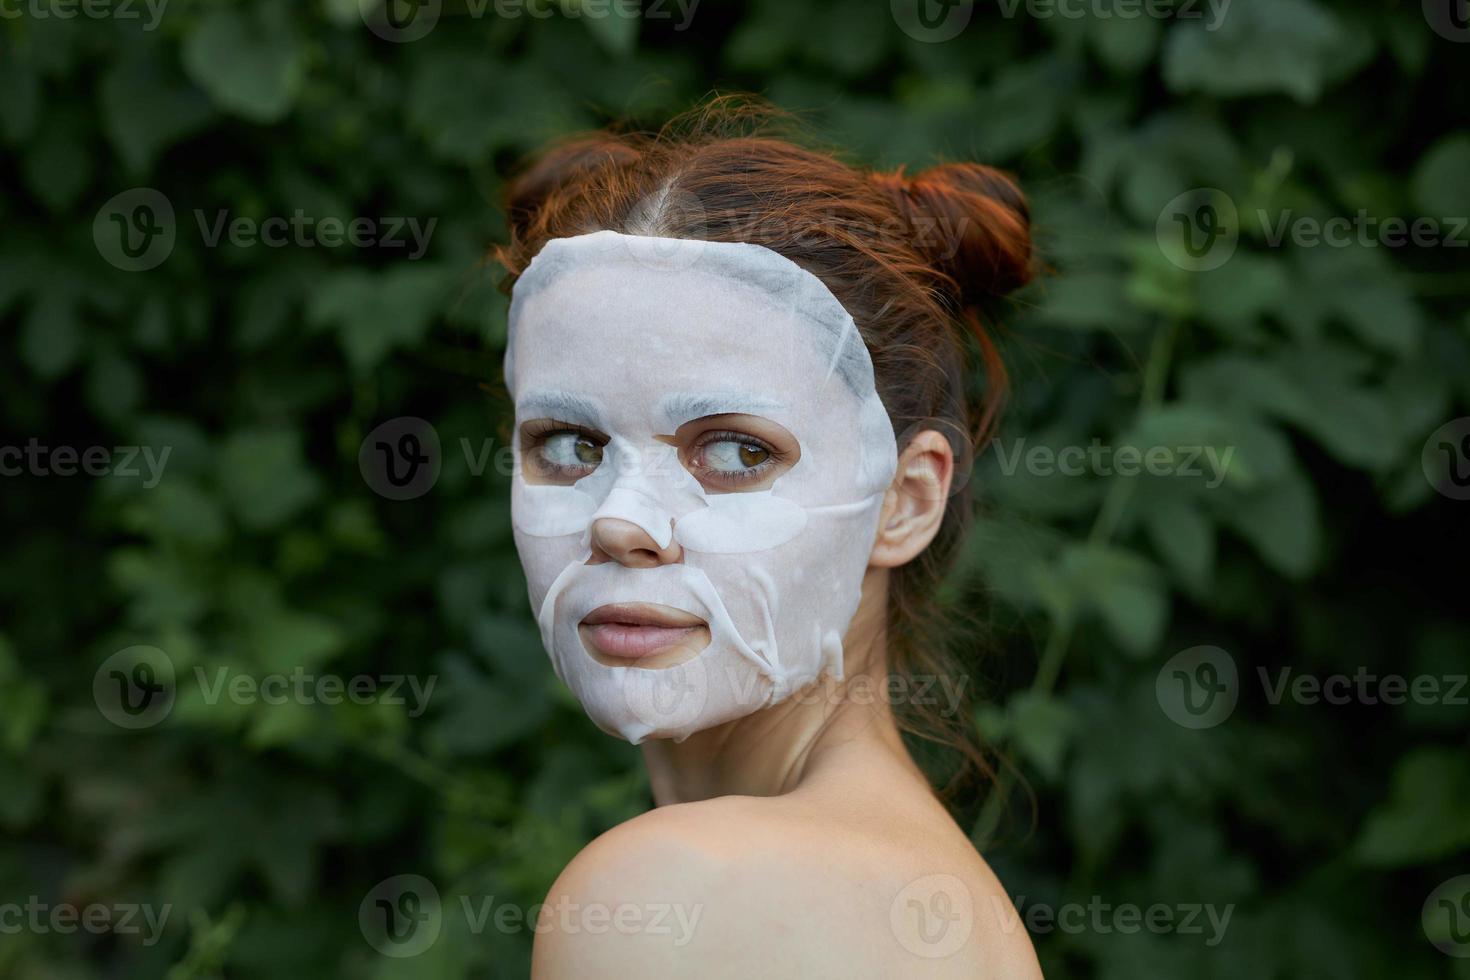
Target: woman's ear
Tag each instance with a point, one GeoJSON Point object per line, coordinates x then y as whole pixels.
{"type": "Point", "coordinates": [913, 507]}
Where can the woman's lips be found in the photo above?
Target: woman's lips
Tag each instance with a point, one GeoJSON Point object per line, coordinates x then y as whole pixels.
{"type": "Point", "coordinates": [631, 631]}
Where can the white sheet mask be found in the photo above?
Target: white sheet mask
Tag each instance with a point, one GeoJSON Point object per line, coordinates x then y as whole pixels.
{"type": "Point", "coordinates": [632, 337]}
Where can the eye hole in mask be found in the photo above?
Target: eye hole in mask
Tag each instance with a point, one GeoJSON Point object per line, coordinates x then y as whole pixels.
{"type": "Point", "coordinates": [730, 453]}
{"type": "Point", "coordinates": [559, 453]}
{"type": "Point", "coordinates": [735, 453]}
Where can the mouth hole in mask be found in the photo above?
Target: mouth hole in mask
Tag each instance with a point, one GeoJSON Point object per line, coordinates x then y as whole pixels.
{"type": "Point", "coordinates": [643, 635]}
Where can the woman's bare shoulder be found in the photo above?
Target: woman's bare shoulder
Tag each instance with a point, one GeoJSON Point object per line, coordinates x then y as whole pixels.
{"type": "Point", "coordinates": [740, 886]}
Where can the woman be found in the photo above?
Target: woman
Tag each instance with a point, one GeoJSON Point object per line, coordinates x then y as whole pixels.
{"type": "Point", "coordinates": [739, 382]}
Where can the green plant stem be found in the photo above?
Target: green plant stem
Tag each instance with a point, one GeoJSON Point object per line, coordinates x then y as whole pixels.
{"type": "Point", "coordinates": [1104, 527]}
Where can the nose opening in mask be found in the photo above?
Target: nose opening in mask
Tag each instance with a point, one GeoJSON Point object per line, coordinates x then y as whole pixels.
{"type": "Point", "coordinates": [638, 508]}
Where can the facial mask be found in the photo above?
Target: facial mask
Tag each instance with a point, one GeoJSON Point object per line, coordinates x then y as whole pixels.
{"type": "Point", "coordinates": [632, 337]}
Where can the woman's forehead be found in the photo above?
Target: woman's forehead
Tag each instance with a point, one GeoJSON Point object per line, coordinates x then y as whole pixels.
{"type": "Point", "coordinates": [603, 322]}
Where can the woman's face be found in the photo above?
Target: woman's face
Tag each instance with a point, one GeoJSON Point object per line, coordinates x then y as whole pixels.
{"type": "Point", "coordinates": [701, 462]}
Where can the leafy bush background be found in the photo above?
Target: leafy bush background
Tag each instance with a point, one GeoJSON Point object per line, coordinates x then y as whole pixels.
{"type": "Point", "coordinates": [263, 549]}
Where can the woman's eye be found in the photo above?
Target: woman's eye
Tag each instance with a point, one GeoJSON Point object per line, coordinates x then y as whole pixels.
{"type": "Point", "coordinates": [732, 456]}
{"type": "Point", "coordinates": [570, 450]}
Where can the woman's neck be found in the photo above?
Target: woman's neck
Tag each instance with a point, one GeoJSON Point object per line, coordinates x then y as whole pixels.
{"type": "Point", "coordinates": [774, 750]}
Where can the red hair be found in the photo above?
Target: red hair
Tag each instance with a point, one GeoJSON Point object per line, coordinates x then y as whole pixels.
{"type": "Point", "coordinates": [917, 260]}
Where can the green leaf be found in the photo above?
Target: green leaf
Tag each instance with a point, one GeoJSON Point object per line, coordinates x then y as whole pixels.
{"type": "Point", "coordinates": [145, 109]}
{"type": "Point", "coordinates": [1281, 521]}
{"type": "Point", "coordinates": [1124, 589]}
{"type": "Point", "coordinates": [284, 640]}
{"type": "Point", "coordinates": [1184, 537]}
{"type": "Point", "coordinates": [58, 163]}
{"type": "Point", "coordinates": [374, 312]}
{"type": "Point", "coordinates": [1088, 301]}
{"type": "Point", "coordinates": [263, 476]}
{"type": "Point", "coordinates": [1259, 47]}
{"type": "Point", "coordinates": [51, 336]}
{"type": "Point", "coordinates": [1042, 727]}
{"type": "Point", "coordinates": [251, 64]}
{"type": "Point", "coordinates": [1441, 181]}
{"type": "Point", "coordinates": [19, 110]}
{"type": "Point", "coordinates": [1125, 44]}
{"type": "Point", "coordinates": [611, 24]}
{"type": "Point", "coordinates": [1424, 818]}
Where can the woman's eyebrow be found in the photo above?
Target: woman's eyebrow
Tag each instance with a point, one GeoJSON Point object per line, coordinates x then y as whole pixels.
{"type": "Point", "coordinates": [562, 405]}
{"type": "Point", "coordinates": [680, 407]}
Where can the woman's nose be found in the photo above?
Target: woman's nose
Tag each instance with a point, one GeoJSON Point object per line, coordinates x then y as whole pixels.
{"type": "Point", "coordinates": [614, 539]}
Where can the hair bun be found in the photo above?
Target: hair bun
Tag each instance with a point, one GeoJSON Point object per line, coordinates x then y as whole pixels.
{"type": "Point", "coordinates": [971, 222]}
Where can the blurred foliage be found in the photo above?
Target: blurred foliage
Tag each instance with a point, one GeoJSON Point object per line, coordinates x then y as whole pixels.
{"type": "Point", "coordinates": [261, 369]}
